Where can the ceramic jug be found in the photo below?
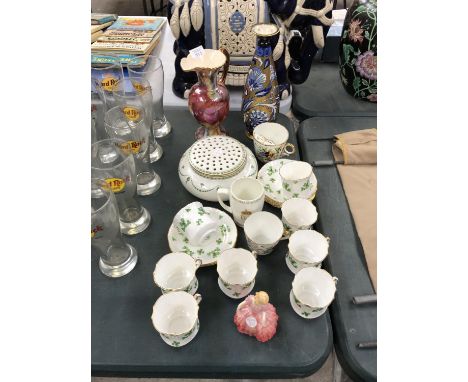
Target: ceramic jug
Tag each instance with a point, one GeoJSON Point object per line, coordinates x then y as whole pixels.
{"type": "Point", "coordinates": [260, 100]}
{"type": "Point", "coordinates": [208, 99]}
{"type": "Point", "coordinates": [358, 50]}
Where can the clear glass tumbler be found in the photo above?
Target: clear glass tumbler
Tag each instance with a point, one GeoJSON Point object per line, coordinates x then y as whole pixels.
{"type": "Point", "coordinates": [116, 258]}
{"type": "Point", "coordinates": [129, 90]}
{"type": "Point", "coordinates": [98, 109]}
{"type": "Point", "coordinates": [128, 121]}
{"type": "Point", "coordinates": [107, 73]}
{"type": "Point", "coordinates": [109, 161]}
{"type": "Point", "coordinates": [153, 71]}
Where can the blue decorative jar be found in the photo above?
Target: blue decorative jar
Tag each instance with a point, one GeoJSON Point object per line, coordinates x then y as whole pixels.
{"type": "Point", "coordinates": [260, 100]}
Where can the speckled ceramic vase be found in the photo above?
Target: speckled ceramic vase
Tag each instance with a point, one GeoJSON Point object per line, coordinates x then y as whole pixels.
{"type": "Point", "coordinates": [358, 50]}
{"type": "Point", "coordinates": [260, 100]}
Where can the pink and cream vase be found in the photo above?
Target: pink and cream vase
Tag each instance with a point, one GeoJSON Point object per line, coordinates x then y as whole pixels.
{"type": "Point", "coordinates": [208, 99]}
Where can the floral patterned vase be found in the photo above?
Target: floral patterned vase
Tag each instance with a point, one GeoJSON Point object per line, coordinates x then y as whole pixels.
{"type": "Point", "coordinates": [358, 50]}
{"type": "Point", "coordinates": [260, 100]}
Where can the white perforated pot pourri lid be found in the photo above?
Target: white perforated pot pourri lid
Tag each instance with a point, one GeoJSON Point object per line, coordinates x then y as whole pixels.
{"type": "Point", "coordinates": [217, 157]}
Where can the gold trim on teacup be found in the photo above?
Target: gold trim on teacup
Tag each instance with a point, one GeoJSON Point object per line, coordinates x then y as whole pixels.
{"type": "Point", "coordinates": [277, 204]}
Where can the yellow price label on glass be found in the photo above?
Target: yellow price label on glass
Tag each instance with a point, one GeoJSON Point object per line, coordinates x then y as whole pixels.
{"type": "Point", "coordinates": [131, 146]}
{"type": "Point", "coordinates": [116, 184]}
{"type": "Point", "coordinates": [108, 83]}
{"type": "Point", "coordinates": [139, 87]}
{"type": "Point", "coordinates": [131, 113]}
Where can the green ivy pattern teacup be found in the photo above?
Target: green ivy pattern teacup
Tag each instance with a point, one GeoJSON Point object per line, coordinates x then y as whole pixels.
{"type": "Point", "coordinates": [296, 179]}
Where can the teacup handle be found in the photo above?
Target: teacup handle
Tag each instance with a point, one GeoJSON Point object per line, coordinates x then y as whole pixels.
{"type": "Point", "coordinates": [328, 239]}
{"type": "Point", "coordinates": [223, 192]}
{"type": "Point", "coordinates": [286, 234]}
{"type": "Point", "coordinates": [198, 263]}
{"type": "Point", "coordinates": [197, 297]}
{"type": "Point", "coordinates": [335, 279]}
{"type": "Point", "coordinates": [291, 147]}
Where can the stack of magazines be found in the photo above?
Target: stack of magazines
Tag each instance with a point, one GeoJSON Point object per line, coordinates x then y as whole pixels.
{"type": "Point", "coordinates": [128, 37]}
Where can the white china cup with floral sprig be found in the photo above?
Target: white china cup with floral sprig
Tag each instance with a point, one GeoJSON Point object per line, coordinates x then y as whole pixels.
{"type": "Point", "coordinates": [271, 142]}
{"type": "Point", "coordinates": [263, 231]}
{"type": "Point", "coordinates": [236, 269]}
{"type": "Point", "coordinates": [175, 317]}
{"type": "Point", "coordinates": [246, 196]}
{"type": "Point", "coordinates": [176, 272]}
{"type": "Point", "coordinates": [297, 214]}
{"type": "Point", "coordinates": [313, 290]}
{"type": "Point", "coordinates": [195, 222]}
{"type": "Point", "coordinates": [296, 179]}
{"type": "Point", "coordinates": [306, 248]}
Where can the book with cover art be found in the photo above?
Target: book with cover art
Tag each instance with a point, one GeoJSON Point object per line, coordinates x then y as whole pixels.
{"type": "Point", "coordinates": [138, 23]}
{"type": "Point", "coordinates": [102, 18]}
{"type": "Point", "coordinates": [131, 46]}
{"type": "Point", "coordinates": [95, 28]}
{"type": "Point", "coordinates": [102, 60]}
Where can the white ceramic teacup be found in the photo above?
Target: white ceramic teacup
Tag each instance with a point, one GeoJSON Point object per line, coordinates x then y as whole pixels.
{"type": "Point", "coordinates": [263, 231]}
{"type": "Point", "coordinates": [176, 272]}
{"type": "Point", "coordinates": [246, 196]}
{"type": "Point", "coordinates": [175, 317]}
{"type": "Point", "coordinates": [298, 213]}
{"type": "Point", "coordinates": [195, 223]}
{"type": "Point", "coordinates": [313, 290]}
{"type": "Point", "coordinates": [307, 248]}
{"type": "Point", "coordinates": [271, 142]}
{"type": "Point", "coordinates": [236, 269]}
{"type": "Point", "coordinates": [296, 179]}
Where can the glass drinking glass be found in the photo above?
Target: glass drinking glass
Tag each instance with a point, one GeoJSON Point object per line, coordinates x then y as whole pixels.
{"type": "Point", "coordinates": [98, 109]}
{"type": "Point", "coordinates": [107, 72]}
{"type": "Point", "coordinates": [153, 71]}
{"type": "Point", "coordinates": [117, 167]}
{"type": "Point", "coordinates": [116, 258]}
{"type": "Point", "coordinates": [128, 122]}
{"type": "Point", "coordinates": [129, 90]}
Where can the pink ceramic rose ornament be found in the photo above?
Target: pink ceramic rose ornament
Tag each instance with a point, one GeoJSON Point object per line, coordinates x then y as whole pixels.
{"type": "Point", "coordinates": [256, 317]}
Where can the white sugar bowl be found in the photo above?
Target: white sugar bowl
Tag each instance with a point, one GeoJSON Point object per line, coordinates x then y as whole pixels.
{"type": "Point", "coordinates": [215, 162]}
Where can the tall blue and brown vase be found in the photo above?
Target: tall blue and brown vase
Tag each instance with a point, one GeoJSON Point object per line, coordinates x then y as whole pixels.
{"type": "Point", "coordinates": [260, 100]}
{"type": "Point", "coordinates": [358, 50]}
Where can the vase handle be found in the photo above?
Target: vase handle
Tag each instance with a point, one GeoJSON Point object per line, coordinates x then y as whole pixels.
{"type": "Point", "coordinates": [226, 65]}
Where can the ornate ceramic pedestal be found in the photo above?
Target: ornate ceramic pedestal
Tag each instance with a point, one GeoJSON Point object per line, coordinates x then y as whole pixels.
{"type": "Point", "coordinates": [227, 24]}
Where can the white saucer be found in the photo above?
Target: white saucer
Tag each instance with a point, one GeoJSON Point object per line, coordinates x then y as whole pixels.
{"type": "Point", "coordinates": [224, 238]}
{"type": "Point", "coordinates": [308, 316]}
{"type": "Point", "coordinates": [270, 177]}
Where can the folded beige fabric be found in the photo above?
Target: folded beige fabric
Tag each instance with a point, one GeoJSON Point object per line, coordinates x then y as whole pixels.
{"type": "Point", "coordinates": [358, 151]}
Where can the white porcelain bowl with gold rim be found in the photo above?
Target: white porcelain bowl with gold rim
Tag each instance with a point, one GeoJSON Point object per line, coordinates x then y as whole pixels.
{"type": "Point", "coordinates": [215, 162]}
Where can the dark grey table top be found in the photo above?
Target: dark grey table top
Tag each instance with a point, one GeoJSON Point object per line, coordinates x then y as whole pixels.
{"type": "Point", "coordinates": [124, 342]}
{"type": "Point", "coordinates": [351, 324]}
{"type": "Point", "coordinates": [323, 94]}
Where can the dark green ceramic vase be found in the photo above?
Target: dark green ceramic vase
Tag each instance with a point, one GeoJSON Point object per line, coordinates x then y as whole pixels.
{"type": "Point", "coordinates": [358, 50]}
